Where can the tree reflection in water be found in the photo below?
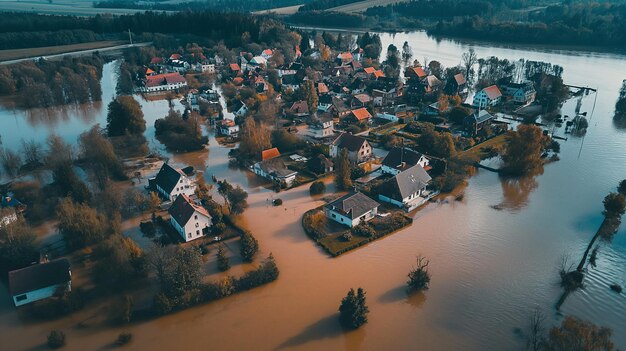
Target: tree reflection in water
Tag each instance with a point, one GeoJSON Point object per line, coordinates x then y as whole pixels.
{"type": "Point", "coordinates": [517, 190]}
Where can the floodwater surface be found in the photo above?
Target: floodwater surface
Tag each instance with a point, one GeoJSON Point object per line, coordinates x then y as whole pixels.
{"type": "Point", "coordinates": [493, 256]}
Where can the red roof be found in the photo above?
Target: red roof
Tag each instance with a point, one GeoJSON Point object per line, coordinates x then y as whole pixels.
{"type": "Point", "coordinates": [149, 71]}
{"type": "Point", "coordinates": [379, 74]}
{"type": "Point", "coordinates": [492, 92]}
{"type": "Point", "coordinates": [361, 114]}
{"type": "Point", "coordinates": [269, 154]}
{"type": "Point", "coordinates": [370, 70]}
{"type": "Point", "coordinates": [268, 52]}
{"type": "Point", "coordinates": [322, 88]}
{"type": "Point", "coordinates": [346, 56]}
{"type": "Point", "coordinates": [419, 71]}
{"type": "Point", "coordinates": [238, 81]}
{"type": "Point", "coordinates": [234, 67]}
{"type": "Point", "coordinates": [175, 57]}
{"type": "Point", "coordinates": [163, 79]}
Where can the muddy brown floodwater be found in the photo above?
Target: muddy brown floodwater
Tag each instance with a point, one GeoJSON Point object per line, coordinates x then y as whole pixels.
{"type": "Point", "coordinates": [490, 267]}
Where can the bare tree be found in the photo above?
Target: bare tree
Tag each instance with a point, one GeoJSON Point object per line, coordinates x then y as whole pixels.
{"type": "Point", "coordinates": [536, 331]}
{"type": "Point", "coordinates": [32, 151]}
{"type": "Point", "coordinates": [469, 58]}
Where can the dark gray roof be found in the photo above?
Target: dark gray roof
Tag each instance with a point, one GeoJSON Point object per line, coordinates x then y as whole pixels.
{"type": "Point", "coordinates": [401, 158]}
{"type": "Point", "coordinates": [481, 116]}
{"type": "Point", "coordinates": [353, 205]}
{"type": "Point", "coordinates": [349, 141]}
{"type": "Point", "coordinates": [183, 208]}
{"type": "Point", "coordinates": [39, 276]}
{"type": "Point", "coordinates": [276, 167]}
{"type": "Point", "coordinates": [167, 178]}
{"type": "Point", "coordinates": [406, 183]}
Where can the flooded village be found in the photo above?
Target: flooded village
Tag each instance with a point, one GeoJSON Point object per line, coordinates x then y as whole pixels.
{"type": "Point", "coordinates": [236, 194]}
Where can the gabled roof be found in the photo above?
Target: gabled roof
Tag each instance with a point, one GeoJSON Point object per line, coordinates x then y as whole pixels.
{"type": "Point", "coordinates": [349, 141]}
{"type": "Point", "coordinates": [269, 154]}
{"type": "Point", "coordinates": [167, 178]}
{"type": "Point", "coordinates": [401, 158]}
{"type": "Point", "coordinates": [175, 56]}
{"type": "Point", "coordinates": [379, 74]}
{"type": "Point", "coordinates": [419, 71]}
{"type": "Point", "coordinates": [353, 205]}
{"type": "Point", "coordinates": [363, 98]}
{"type": "Point", "coordinates": [234, 67]}
{"type": "Point", "coordinates": [361, 114]}
{"type": "Point", "coordinates": [299, 107]}
{"type": "Point", "coordinates": [369, 70]}
{"type": "Point", "coordinates": [481, 116]}
{"type": "Point", "coordinates": [183, 208]}
{"type": "Point", "coordinates": [163, 79]}
{"type": "Point", "coordinates": [268, 52]}
{"type": "Point", "coordinates": [432, 81]}
{"type": "Point", "coordinates": [460, 79]}
{"type": "Point", "coordinates": [493, 92]}
{"type": "Point", "coordinates": [345, 56]}
{"type": "Point", "coordinates": [39, 276]}
{"type": "Point", "coordinates": [405, 183]}
{"type": "Point", "coordinates": [276, 167]}
{"type": "Point", "coordinates": [322, 88]}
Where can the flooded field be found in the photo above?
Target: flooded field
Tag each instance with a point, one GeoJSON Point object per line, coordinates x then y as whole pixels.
{"type": "Point", "coordinates": [490, 267]}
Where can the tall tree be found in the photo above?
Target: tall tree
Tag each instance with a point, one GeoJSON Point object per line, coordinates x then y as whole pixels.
{"type": "Point", "coordinates": [353, 310]}
{"type": "Point", "coordinates": [343, 171]}
{"type": "Point", "coordinates": [255, 137]}
{"type": "Point", "coordinates": [223, 263]}
{"type": "Point", "coordinates": [407, 52]}
{"type": "Point", "coordinates": [248, 246]}
{"type": "Point", "coordinates": [522, 152]}
{"type": "Point", "coordinates": [125, 117]}
{"type": "Point", "coordinates": [469, 59]}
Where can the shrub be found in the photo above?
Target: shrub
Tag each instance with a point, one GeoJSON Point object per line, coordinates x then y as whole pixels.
{"type": "Point", "coordinates": [419, 278]}
{"type": "Point", "coordinates": [364, 230]}
{"type": "Point", "coordinates": [347, 236]}
{"type": "Point", "coordinates": [353, 309]}
{"type": "Point", "coordinates": [313, 222]}
{"type": "Point", "coordinates": [249, 246]}
{"type": "Point", "coordinates": [318, 187]}
{"type": "Point", "coordinates": [161, 304]}
{"type": "Point", "coordinates": [124, 338]}
{"type": "Point", "coordinates": [218, 228]}
{"type": "Point", "coordinates": [56, 339]}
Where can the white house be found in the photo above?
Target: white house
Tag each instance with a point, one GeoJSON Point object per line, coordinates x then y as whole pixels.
{"type": "Point", "coordinates": [401, 159]}
{"type": "Point", "coordinates": [489, 96]}
{"type": "Point", "coordinates": [239, 108]}
{"type": "Point", "coordinates": [271, 167]}
{"type": "Point", "coordinates": [191, 221]}
{"type": "Point", "coordinates": [322, 128]}
{"type": "Point", "coordinates": [258, 61]}
{"type": "Point", "coordinates": [351, 209]}
{"type": "Point", "coordinates": [170, 183]}
{"type": "Point", "coordinates": [406, 188]}
{"type": "Point", "coordinates": [520, 93]}
{"type": "Point", "coordinates": [39, 281]}
{"type": "Point", "coordinates": [387, 116]}
{"type": "Point", "coordinates": [204, 67]}
{"type": "Point", "coordinates": [227, 127]}
{"type": "Point", "coordinates": [359, 149]}
{"type": "Point", "coordinates": [164, 82]}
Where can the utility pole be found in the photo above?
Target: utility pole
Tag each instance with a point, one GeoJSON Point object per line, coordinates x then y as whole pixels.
{"type": "Point", "coordinates": [130, 37]}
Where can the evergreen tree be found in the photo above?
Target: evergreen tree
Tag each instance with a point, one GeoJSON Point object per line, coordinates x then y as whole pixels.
{"type": "Point", "coordinates": [248, 246]}
{"type": "Point", "coordinates": [353, 309]}
{"type": "Point", "coordinates": [342, 171]}
{"type": "Point", "coordinates": [223, 263]}
{"type": "Point", "coordinates": [125, 117]}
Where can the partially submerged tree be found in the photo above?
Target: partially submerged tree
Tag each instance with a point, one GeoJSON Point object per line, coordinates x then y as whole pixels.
{"type": "Point", "coordinates": [522, 152]}
{"type": "Point", "coordinates": [419, 278]}
{"type": "Point", "coordinates": [574, 334]}
{"type": "Point", "coordinates": [248, 246]}
{"type": "Point", "coordinates": [223, 263]}
{"type": "Point", "coordinates": [353, 310]}
{"type": "Point", "coordinates": [125, 117]}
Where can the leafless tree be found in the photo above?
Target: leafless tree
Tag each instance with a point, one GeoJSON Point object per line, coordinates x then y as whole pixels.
{"type": "Point", "coordinates": [536, 331]}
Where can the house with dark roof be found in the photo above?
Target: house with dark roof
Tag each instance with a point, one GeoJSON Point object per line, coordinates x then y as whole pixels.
{"type": "Point", "coordinates": [487, 97]}
{"type": "Point", "coordinates": [406, 188]}
{"type": "Point", "coordinates": [171, 182]}
{"type": "Point", "coordinates": [40, 281]}
{"type": "Point", "coordinates": [239, 108]}
{"type": "Point", "coordinates": [352, 209]}
{"type": "Point", "coordinates": [400, 159]}
{"type": "Point", "coordinates": [359, 149]}
{"type": "Point", "coordinates": [320, 164]}
{"type": "Point", "coordinates": [477, 121]}
{"type": "Point", "coordinates": [520, 93]}
{"type": "Point", "coordinates": [190, 220]}
{"type": "Point", "coordinates": [271, 167]}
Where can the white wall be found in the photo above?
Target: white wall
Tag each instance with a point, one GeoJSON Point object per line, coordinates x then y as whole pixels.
{"type": "Point", "coordinates": [40, 294]}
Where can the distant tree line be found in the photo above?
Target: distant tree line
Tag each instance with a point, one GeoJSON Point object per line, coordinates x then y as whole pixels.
{"type": "Point", "coordinates": [329, 19]}
{"type": "Point", "coordinates": [19, 40]}
{"type": "Point", "coordinates": [222, 5]}
{"type": "Point", "coordinates": [429, 8]}
{"type": "Point", "coordinates": [324, 4]}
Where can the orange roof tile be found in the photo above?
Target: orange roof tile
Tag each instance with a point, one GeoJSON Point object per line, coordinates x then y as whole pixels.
{"type": "Point", "coordinates": [269, 154]}
{"type": "Point", "coordinates": [370, 70]}
{"type": "Point", "coordinates": [361, 114]}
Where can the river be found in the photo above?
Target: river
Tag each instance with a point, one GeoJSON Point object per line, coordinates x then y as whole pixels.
{"type": "Point", "coordinates": [490, 268]}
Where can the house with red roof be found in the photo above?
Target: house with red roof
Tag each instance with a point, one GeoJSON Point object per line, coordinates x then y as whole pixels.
{"type": "Point", "coordinates": [415, 73]}
{"type": "Point", "coordinates": [190, 220]}
{"type": "Point", "coordinates": [359, 115]}
{"type": "Point", "coordinates": [164, 82]}
{"type": "Point", "coordinates": [487, 97]}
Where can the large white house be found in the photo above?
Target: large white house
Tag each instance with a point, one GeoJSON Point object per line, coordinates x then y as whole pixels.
{"type": "Point", "coordinates": [521, 93]}
{"type": "Point", "coordinates": [170, 183]}
{"type": "Point", "coordinates": [352, 209]}
{"type": "Point", "coordinates": [406, 188]}
{"type": "Point", "coordinates": [359, 149]}
{"type": "Point", "coordinates": [164, 82]}
{"type": "Point", "coordinates": [271, 167]}
{"type": "Point", "coordinates": [39, 281]}
{"type": "Point", "coordinates": [191, 221]}
{"type": "Point", "coordinates": [400, 159]}
{"type": "Point", "coordinates": [487, 97]}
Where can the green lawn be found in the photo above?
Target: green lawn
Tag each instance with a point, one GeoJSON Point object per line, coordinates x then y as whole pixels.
{"type": "Point", "coordinates": [478, 151]}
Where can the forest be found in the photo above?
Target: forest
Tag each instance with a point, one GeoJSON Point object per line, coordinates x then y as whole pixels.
{"type": "Point", "coordinates": [221, 5]}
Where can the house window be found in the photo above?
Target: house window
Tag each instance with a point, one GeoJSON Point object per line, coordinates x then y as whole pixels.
{"type": "Point", "coordinates": [195, 217]}
{"type": "Point", "coordinates": [188, 235]}
{"type": "Point", "coordinates": [334, 216]}
{"type": "Point", "coordinates": [197, 232]}
{"type": "Point", "coordinates": [20, 298]}
{"type": "Point", "coordinates": [197, 225]}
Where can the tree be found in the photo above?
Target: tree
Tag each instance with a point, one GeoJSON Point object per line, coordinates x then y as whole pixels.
{"type": "Point", "coordinates": [317, 187]}
{"type": "Point", "coordinates": [118, 260]}
{"type": "Point", "coordinates": [32, 151]}
{"type": "Point", "coordinates": [56, 339]}
{"type": "Point", "coordinates": [99, 154]}
{"type": "Point", "coordinates": [469, 59]}
{"type": "Point", "coordinates": [181, 273]}
{"type": "Point", "coordinates": [248, 246]}
{"type": "Point", "coordinates": [311, 95]}
{"type": "Point", "coordinates": [223, 263]}
{"type": "Point", "coordinates": [80, 224]}
{"type": "Point", "coordinates": [18, 246]}
{"type": "Point", "coordinates": [614, 205]}
{"type": "Point", "coordinates": [11, 162]}
{"type": "Point", "coordinates": [342, 171]}
{"type": "Point", "coordinates": [393, 58]}
{"type": "Point", "coordinates": [523, 149]}
{"type": "Point", "coordinates": [407, 52]}
{"type": "Point", "coordinates": [577, 335]}
{"type": "Point", "coordinates": [622, 187]}
{"type": "Point", "coordinates": [235, 198]}
{"type": "Point", "coordinates": [125, 117]}
{"type": "Point", "coordinates": [58, 152]}
{"type": "Point", "coordinates": [67, 183]}
{"type": "Point", "coordinates": [536, 333]}
{"type": "Point", "coordinates": [353, 309]}
{"type": "Point", "coordinates": [180, 134]}
{"type": "Point", "coordinates": [419, 278]}
{"type": "Point", "coordinates": [255, 137]}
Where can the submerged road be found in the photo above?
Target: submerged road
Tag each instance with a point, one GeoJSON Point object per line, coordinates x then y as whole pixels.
{"type": "Point", "coordinates": [75, 53]}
